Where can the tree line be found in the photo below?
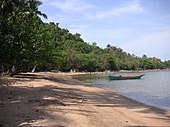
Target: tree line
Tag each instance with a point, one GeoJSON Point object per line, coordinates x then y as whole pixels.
{"type": "Point", "coordinates": [29, 44]}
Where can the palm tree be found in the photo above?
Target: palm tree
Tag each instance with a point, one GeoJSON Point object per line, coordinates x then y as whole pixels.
{"type": "Point", "coordinates": [32, 6]}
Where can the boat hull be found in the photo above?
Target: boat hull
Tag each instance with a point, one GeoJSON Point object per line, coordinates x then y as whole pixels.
{"type": "Point", "coordinates": [125, 77]}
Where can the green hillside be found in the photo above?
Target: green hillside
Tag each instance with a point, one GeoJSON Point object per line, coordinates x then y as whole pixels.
{"type": "Point", "coordinates": [28, 44]}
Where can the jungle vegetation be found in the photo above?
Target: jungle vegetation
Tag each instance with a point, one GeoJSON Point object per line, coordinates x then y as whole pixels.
{"type": "Point", "coordinates": [29, 44]}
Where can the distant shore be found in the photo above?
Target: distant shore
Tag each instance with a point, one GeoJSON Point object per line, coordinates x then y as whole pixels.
{"type": "Point", "coordinates": [112, 72]}
{"type": "Point", "coordinates": [105, 72]}
{"type": "Point", "coordinates": [56, 99]}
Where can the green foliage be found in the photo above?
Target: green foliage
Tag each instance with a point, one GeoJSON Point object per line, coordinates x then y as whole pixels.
{"type": "Point", "coordinates": [167, 64]}
{"type": "Point", "coordinates": [28, 44]}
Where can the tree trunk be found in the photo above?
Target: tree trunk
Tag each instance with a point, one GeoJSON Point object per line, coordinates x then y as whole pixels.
{"type": "Point", "coordinates": [13, 71]}
{"type": "Point", "coordinates": [33, 70]}
{"type": "Point", "coordinates": [2, 69]}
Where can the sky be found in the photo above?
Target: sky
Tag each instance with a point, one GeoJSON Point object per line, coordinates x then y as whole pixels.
{"type": "Point", "coordinates": [137, 26]}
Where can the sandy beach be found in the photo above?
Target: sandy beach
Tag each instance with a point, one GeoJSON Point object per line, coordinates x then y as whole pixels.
{"type": "Point", "coordinates": [56, 100]}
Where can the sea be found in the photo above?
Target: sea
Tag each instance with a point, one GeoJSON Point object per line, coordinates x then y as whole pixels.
{"type": "Point", "coordinates": [152, 89]}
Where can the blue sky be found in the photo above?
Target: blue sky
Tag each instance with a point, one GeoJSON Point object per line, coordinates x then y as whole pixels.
{"type": "Point", "coordinates": [137, 26]}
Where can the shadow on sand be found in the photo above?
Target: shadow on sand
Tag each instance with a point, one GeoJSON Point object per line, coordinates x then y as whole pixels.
{"type": "Point", "coordinates": [21, 106]}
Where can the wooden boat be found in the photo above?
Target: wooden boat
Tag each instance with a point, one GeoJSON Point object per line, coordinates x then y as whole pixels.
{"type": "Point", "coordinates": [111, 77]}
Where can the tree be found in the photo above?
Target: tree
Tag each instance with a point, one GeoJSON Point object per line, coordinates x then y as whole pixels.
{"type": "Point", "coordinates": [28, 44]}
{"type": "Point", "coordinates": [19, 29]}
{"type": "Point", "coordinates": [32, 8]}
{"type": "Point", "coordinates": [112, 65]}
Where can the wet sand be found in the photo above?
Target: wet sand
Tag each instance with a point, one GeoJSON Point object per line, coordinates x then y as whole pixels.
{"type": "Point", "coordinates": [56, 100]}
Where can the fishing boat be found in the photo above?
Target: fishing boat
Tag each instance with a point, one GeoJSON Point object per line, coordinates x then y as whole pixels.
{"type": "Point", "coordinates": [111, 77]}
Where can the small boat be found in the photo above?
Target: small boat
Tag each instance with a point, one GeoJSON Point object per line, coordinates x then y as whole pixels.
{"type": "Point", "coordinates": [111, 77]}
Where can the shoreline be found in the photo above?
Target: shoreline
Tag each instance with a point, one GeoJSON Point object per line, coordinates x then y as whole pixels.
{"type": "Point", "coordinates": [56, 99]}
{"type": "Point", "coordinates": [132, 100]}
{"type": "Point", "coordinates": [161, 108]}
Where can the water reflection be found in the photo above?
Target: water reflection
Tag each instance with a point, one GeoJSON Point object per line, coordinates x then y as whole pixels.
{"type": "Point", "coordinates": [152, 89]}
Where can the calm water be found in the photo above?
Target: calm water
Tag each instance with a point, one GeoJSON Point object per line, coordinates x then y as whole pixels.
{"type": "Point", "coordinates": [152, 89]}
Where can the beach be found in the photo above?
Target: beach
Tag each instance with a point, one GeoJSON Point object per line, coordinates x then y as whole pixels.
{"type": "Point", "coordinates": [50, 99]}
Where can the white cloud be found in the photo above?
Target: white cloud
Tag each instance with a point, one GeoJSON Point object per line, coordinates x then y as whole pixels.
{"type": "Point", "coordinates": [78, 28]}
{"type": "Point", "coordinates": [130, 25]}
{"type": "Point", "coordinates": [71, 5]}
{"type": "Point", "coordinates": [45, 1]}
{"type": "Point", "coordinates": [102, 36]}
{"type": "Point", "coordinates": [153, 45]}
{"type": "Point", "coordinates": [133, 7]}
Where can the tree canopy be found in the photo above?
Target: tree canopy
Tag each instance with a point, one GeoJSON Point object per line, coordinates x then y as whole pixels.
{"type": "Point", "coordinates": [28, 44]}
